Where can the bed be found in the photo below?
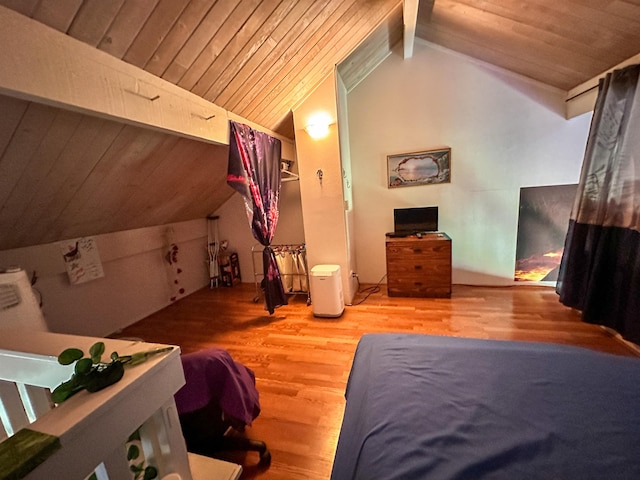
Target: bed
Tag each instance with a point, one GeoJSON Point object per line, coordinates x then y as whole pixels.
{"type": "Point", "coordinates": [435, 408]}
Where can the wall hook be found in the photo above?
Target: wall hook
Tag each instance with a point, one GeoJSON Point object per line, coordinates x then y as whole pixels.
{"type": "Point", "coordinates": [203, 117]}
{"type": "Point", "coordinates": [319, 175]}
{"type": "Point", "coordinates": [138, 94]}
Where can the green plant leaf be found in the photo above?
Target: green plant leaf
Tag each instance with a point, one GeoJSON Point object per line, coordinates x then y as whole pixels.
{"type": "Point", "coordinates": [83, 366]}
{"type": "Point", "coordinates": [65, 390]}
{"type": "Point", "coordinates": [133, 452]}
{"type": "Point", "coordinates": [96, 351]}
{"type": "Point", "coordinates": [70, 355]}
{"type": "Point", "coordinates": [93, 476]}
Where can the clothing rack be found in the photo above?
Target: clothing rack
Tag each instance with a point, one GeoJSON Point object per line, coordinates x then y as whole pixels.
{"type": "Point", "coordinates": [213, 250]}
{"type": "Point", "coordinates": [292, 264]}
{"type": "Point", "coordinates": [286, 175]}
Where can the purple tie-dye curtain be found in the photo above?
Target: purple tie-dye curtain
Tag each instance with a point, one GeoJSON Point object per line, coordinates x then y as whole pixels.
{"type": "Point", "coordinates": [254, 171]}
{"type": "Point", "coordinates": [600, 269]}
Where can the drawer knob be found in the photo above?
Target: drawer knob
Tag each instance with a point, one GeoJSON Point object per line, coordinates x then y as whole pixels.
{"type": "Point", "coordinates": [417, 250]}
{"type": "Point", "coordinates": [418, 267]}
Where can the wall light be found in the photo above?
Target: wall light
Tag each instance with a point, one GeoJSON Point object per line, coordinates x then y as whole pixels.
{"type": "Point", "coordinates": [317, 130]}
{"type": "Point", "coordinates": [318, 125]}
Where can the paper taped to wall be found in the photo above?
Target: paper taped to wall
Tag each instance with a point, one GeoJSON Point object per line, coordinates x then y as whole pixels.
{"type": "Point", "coordinates": [82, 260]}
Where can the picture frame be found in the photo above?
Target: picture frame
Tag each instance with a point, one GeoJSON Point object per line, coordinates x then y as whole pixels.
{"type": "Point", "coordinates": [543, 220]}
{"type": "Point", "coordinates": [428, 167]}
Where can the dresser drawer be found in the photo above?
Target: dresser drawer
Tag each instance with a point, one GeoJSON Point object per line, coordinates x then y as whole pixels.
{"type": "Point", "coordinates": [418, 289]}
{"type": "Point", "coordinates": [431, 275]}
{"type": "Point", "coordinates": [428, 249]}
{"type": "Point", "coordinates": [419, 263]}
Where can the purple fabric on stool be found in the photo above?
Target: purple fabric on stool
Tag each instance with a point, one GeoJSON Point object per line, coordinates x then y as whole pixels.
{"type": "Point", "coordinates": [213, 375]}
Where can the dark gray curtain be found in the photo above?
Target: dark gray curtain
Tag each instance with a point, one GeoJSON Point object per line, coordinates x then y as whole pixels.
{"type": "Point", "coordinates": [254, 171]}
{"type": "Point", "coordinates": [600, 268]}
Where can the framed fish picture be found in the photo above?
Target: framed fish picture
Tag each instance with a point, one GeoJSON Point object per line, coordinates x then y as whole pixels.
{"type": "Point", "coordinates": [419, 168]}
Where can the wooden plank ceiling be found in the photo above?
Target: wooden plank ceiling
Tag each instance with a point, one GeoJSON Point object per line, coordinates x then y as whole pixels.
{"type": "Point", "coordinates": [254, 58]}
{"type": "Point", "coordinates": [64, 175]}
{"type": "Point", "coordinates": [560, 43]}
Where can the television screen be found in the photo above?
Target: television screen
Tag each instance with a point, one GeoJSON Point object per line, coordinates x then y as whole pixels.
{"type": "Point", "coordinates": [415, 220]}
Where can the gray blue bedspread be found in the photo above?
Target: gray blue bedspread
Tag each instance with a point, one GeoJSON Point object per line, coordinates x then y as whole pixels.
{"type": "Point", "coordinates": [444, 408]}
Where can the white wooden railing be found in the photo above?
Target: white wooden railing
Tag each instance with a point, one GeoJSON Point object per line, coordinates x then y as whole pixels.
{"type": "Point", "coordinates": [92, 428]}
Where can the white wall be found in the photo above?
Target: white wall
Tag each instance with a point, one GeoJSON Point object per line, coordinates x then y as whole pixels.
{"type": "Point", "coordinates": [505, 132]}
{"type": "Point", "coordinates": [351, 287]}
{"type": "Point", "coordinates": [323, 199]}
{"type": "Point", "coordinates": [138, 280]}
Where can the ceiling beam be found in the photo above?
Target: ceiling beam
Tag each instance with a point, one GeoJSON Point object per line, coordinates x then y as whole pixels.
{"type": "Point", "coordinates": [43, 65]}
{"type": "Point", "coordinates": [582, 99]}
{"type": "Point", "coordinates": [410, 19]}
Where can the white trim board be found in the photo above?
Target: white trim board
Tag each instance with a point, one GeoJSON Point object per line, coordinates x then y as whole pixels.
{"type": "Point", "coordinates": [41, 64]}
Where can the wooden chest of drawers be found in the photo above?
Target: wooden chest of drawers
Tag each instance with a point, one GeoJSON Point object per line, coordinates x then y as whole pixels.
{"type": "Point", "coordinates": [419, 267]}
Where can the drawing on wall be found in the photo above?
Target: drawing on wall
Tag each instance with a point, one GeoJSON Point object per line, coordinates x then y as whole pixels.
{"type": "Point", "coordinates": [419, 168]}
{"type": "Point", "coordinates": [82, 260]}
{"type": "Point", "coordinates": [542, 227]}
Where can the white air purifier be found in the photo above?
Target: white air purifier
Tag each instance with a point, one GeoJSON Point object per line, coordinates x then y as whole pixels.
{"type": "Point", "coordinates": [326, 291]}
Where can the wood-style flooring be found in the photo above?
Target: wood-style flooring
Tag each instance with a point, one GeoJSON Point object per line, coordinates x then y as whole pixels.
{"type": "Point", "coordinates": [302, 362]}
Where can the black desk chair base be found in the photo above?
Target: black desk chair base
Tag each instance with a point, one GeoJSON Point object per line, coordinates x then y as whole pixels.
{"type": "Point", "coordinates": [208, 433]}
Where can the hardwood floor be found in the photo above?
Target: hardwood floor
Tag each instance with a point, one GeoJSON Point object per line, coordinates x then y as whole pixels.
{"type": "Point", "coordinates": [302, 362]}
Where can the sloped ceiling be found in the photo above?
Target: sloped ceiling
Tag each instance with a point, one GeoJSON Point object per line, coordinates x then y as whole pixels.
{"type": "Point", "coordinates": [254, 58]}
{"type": "Point", "coordinates": [560, 43]}
{"type": "Point", "coordinates": [65, 174]}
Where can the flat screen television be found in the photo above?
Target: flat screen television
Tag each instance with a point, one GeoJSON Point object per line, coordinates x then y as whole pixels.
{"type": "Point", "coordinates": [408, 221]}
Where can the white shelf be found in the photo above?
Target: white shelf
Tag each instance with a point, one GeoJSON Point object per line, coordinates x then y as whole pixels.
{"type": "Point", "coordinates": [206, 468]}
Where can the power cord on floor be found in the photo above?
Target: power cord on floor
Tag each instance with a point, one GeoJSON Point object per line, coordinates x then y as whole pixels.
{"type": "Point", "coordinates": [368, 291]}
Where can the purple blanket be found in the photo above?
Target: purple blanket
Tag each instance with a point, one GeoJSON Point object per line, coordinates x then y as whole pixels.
{"type": "Point", "coordinates": [213, 375]}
